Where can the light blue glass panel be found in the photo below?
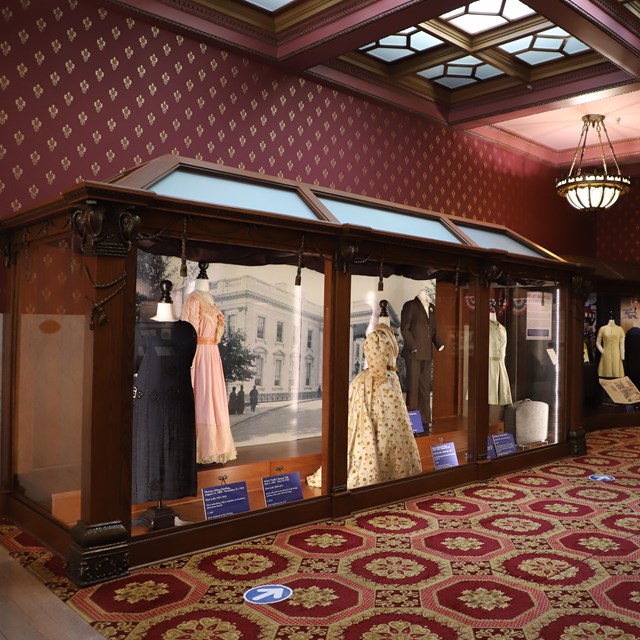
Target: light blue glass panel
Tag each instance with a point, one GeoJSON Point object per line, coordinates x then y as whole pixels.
{"type": "Point", "coordinates": [225, 191]}
{"type": "Point", "coordinates": [389, 55]}
{"type": "Point", "coordinates": [394, 41]}
{"type": "Point", "coordinates": [422, 41]}
{"type": "Point", "coordinates": [488, 239]}
{"type": "Point", "coordinates": [456, 70]}
{"type": "Point", "coordinates": [433, 72]}
{"type": "Point", "coordinates": [392, 221]}
{"type": "Point", "coordinates": [538, 57]}
{"type": "Point", "coordinates": [554, 31]}
{"type": "Point", "coordinates": [487, 71]}
{"type": "Point", "coordinates": [517, 45]}
{"type": "Point", "coordinates": [454, 83]}
{"type": "Point", "coordinates": [471, 60]}
{"type": "Point", "coordinates": [270, 5]}
{"type": "Point", "coordinates": [548, 43]}
{"type": "Point", "coordinates": [573, 45]}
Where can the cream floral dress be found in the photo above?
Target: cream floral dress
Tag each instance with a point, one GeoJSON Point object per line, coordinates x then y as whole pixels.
{"type": "Point", "coordinates": [381, 444]}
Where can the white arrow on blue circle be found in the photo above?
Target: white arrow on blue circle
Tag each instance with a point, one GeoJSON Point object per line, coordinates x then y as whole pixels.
{"type": "Point", "coordinates": [601, 477]}
{"type": "Point", "coordinates": [268, 594]}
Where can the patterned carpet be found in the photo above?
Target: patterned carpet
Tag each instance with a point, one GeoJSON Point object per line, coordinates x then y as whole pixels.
{"type": "Point", "coordinates": [548, 554]}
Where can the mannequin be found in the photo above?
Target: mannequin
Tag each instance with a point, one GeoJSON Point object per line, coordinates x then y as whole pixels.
{"type": "Point", "coordinates": [213, 426]}
{"type": "Point", "coordinates": [610, 343]}
{"type": "Point", "coordinates": [164, 434]}
{"type": "Point", "coordinates": [381, 444]}
{"type": "Point", "coordinates": [499, 386]}
{"type": "Point", "coordinates": [418, 328]}
{"type": "Point", "coordinates": [384, 314]}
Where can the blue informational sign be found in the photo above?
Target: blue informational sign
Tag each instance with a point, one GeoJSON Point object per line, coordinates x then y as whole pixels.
{"type": "Point", "coordinates": [416, 422]}
{"type": "Point", "coordinates": [601, 477]}
{"type": "Point", "coordinates": [268, 594]}
{"type": "Point", "coordinates": [504, 444]}
{"type": "Point", "coordinates": [491, 450]}
{"type": "Point", "coordinates": [444, 455]}
{"type": "Point", "coordinates": [281, 489]}
{"type": "Point", "coordinates": [225, 500]}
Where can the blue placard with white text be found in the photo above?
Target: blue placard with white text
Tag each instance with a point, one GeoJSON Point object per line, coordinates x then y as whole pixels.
{"type": "Point", "coordinates": [281, 489]}
{"type": "Point", "coordinates": [505, 444]}
{"type": "Point", "coordinates": [491, 450]}
{"type": "Point", "coordinates": [416, 421]}
{"type": "Point", "coordinates": [225, 500]}
{"type": "Point", "coordinates": [444, 455]}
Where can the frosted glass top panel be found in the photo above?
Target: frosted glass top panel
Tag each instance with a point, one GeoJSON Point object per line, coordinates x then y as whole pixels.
{"type": "Point", "coordinates": [488, 239]}
{"type": "Point", "coordinates": [229, 192]}
{"type": "Point", "coordinates": [392, 221]}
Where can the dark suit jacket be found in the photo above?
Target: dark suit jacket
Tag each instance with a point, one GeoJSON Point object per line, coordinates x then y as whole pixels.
{"type": "Point", "coordinates": [418, 330]}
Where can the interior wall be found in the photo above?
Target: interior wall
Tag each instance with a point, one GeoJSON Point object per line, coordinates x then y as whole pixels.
{"type": "Point", "coordinates": [618, 230]}
{"type": "Point", "coordinates": [87, 92]}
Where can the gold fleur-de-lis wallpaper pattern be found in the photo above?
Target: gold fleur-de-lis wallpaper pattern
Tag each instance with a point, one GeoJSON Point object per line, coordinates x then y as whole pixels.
{"type": "Point", "coordinates": [87, 92]}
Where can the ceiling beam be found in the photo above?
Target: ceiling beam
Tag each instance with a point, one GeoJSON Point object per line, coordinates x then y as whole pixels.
{"type": "Point", "coordinates": [606, 26]}
{"type": "Point", "coordinates": [365, 22]}
{"type": "Point", "coordinates": [544, 95]}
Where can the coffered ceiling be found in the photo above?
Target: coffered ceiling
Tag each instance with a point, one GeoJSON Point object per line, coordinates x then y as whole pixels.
{"type": "Point", "coordinates": [521, 73]}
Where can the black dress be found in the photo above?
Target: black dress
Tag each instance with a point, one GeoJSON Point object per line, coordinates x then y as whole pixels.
{"type": "Point", "coordinates": [164, 429]}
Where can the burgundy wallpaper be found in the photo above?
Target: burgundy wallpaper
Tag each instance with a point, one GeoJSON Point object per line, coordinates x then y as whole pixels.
{"type": "Point", "coordinates": [86, 92]}
{"type": "Point", "coordinates": [618, 230]}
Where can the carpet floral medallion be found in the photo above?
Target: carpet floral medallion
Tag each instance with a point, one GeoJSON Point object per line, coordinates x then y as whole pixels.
{"type": "Point", "coordinates": [543, 554]}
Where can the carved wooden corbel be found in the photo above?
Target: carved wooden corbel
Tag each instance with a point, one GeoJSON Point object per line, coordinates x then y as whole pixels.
{"type": "Point", "coordinates": [346, 253]}
{"type": "Point", "coordinates": [491, 273]}
{"type": "Point", "coordinates": [105, 229]}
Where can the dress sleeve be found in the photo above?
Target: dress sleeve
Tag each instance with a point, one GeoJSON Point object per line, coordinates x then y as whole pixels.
{"type": "Point", "coordinates": [219, 326]}
{"type": "Point", "coordinates": [191, 311]}
{"type": "Point", "coordinates": [376, 354]}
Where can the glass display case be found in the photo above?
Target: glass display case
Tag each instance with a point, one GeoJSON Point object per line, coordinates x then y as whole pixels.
{"type": "Point", "coordinates": [257, 379]}
{"type": "Point", "coordinates": [192, 353]}
{"type": "Point", "coordinates": [611, 356]}
{"type": "Point", "coordinates": [52, 397]}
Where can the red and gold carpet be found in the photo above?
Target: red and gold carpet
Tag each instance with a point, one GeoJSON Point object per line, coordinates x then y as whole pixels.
{"type": "Point", "coordinates": [545, 554]}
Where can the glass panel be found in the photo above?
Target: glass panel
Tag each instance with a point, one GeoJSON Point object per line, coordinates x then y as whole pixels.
{"type": "Point", "coordinates": [414, 396]}
{"type": "Point", "coordinates": [229, 192]}
{"type": "Point", "coordinates": [270, 5]}
{"type": "Point", "coordinates": [486, 14]}
{"type": "Point", "coordinates": [383, 220]}
{"type": "Point", "coordinates": [489, 239]}
{"type": "Point", "coordinates": [53, 384]}
{"type": "Point", "coordinates": [611, 363]}
{"type": "Point", "coordinates": [454, 83]}
{"type": "Point", "coordinates": [257, 381]}
{"type": "Point", "coordinates": [526, 353]}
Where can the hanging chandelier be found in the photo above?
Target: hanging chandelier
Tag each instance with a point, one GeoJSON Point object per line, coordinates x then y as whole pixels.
{"type": "Point", "coordinates": [594, 189]}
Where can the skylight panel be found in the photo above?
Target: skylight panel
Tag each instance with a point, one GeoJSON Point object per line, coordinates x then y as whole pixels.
{"type": "Point", "coordinates": [544, 46]}
{"type": "Point", "coordinates": [484, 15]}
{"type": "Point", "coordinates": [270, 5]}
{"type": "Point", "coordinates": [402, 44]}
{"type": "Point", "coordinates": [460, 72]}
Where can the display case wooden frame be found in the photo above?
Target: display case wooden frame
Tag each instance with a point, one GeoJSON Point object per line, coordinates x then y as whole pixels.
{"type": "Point", "coordinates": [103, 220]}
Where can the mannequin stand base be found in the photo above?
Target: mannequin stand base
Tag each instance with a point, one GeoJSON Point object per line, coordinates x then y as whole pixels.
{"type": "Point", "coordinates": [159, 518]}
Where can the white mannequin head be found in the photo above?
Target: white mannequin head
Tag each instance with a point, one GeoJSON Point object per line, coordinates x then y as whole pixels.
{"type": "Point", "coordinates": [202, 285]}
{"type": "Point", "coordinates": [423, 294]}
{"type": "Point", "coordinates": [164, 312]}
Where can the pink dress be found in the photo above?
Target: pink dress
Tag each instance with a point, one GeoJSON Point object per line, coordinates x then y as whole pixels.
{"type": "Point", "coordinates": [213, 426]}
